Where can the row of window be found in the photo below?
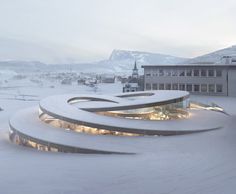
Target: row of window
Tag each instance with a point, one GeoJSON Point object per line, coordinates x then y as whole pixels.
{"type": "Point", "coordinates": [210, 88]}
{"type": "Point", "coordinates": [187, 72]}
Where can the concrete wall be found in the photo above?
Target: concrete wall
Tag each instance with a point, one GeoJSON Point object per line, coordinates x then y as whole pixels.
{"type": "Point", "coordinates": [232, 81]}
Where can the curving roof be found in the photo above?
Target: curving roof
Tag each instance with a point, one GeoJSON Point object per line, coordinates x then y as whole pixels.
{"type": "Point", "coordinates": [82, 110]}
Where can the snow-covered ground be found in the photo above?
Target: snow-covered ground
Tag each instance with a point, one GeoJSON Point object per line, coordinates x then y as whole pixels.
{"type": "Point", "coordinates": [201, 163]}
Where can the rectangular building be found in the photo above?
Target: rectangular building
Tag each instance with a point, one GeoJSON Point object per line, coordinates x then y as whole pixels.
{"type": "Point", "coordinates": [204, 79]}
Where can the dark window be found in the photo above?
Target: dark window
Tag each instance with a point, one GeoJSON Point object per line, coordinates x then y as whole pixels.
{"type": "Point", "coordinates": [182, 73]}
{"type": "Point", "coordinates": [189, 87]}
{"type": "Point", "coordinates": [168, 72]}
{"type": "Point", "coordinates": [148, 74]}
{"type": "Point", "coordinates": [182, 87]}
{"type": "Point", "coordinates": [219, 88]}
{"type": "Point", "coordinates": [196, 88]}
{"type": "Point", "coordinates": [196, 72]}
{"type": "Point", "coordinates": [203, 73]}
{"type": "Point", "coordinates": [211, 73]}
{"type": "Point", "coordinates": [148, 86]}
{"type": "Point", "coordinates": [175, 86]}
{"type": "Point", "coordinates": [203, 87]}
{"type": "Point", "coordinates": [161, 86]}
{"type": "Point", "coordinates": [211, 88]}
{"type": "Point", "coordinates": [168, 86]}
{"type": "Point", "coordinates": [218, 73]}
{"type": "Point", "coordinates": [174, 72]}
{"type": "Point", "coordinates": [154, 86]}
{"type": "Point", "coordinates": [161, 72]}
{"type": "Point", "coordinates": [189, 72]}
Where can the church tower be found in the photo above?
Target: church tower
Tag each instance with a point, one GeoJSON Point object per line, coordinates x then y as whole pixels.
{"type": "Point", "coordinates": [135, 71]}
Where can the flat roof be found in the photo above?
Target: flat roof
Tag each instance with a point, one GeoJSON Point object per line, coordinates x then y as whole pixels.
{"type": "Point", "coordinates": [192, 65]}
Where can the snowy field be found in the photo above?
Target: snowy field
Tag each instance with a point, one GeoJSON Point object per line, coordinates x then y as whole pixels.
{"type": "Point", "coordinates": [201, 163]}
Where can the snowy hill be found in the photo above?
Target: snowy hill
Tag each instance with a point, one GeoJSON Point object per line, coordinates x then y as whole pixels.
{"type": "Point", "coordinates": [214, 57]}
{"type": "Point", "coordinates": [119, 62]}
{"type": "Point", "coordinates": [123, 61]}
{"type": "Point", "coordinates": [144, 57]}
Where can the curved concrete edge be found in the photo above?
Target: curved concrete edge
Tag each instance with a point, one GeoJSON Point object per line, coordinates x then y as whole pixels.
{"type": "Point", "coordinates": [27, 124]}
{"type": "Point", "coordinates": [65, 148]}
{"type": "Point", "coordinates": [195, 124]}
{"type": "Point", "coordinates": [69, 141]}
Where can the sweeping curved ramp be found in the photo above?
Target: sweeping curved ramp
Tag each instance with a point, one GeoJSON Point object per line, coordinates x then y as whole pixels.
{"type": "Point", "coordinates": [79, 123]}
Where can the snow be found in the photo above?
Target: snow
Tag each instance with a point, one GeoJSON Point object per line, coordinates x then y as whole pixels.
{"type": "Point", "coordinates": [197, 163]}
{"type": "Point", "coordinates": [144, 57]}
{"type": "Point", "coordinates": [213, 57]}
{"type": "Point", "coordinates": [122, 61]}
{"type": "Point", "coordinates": [119, 62]}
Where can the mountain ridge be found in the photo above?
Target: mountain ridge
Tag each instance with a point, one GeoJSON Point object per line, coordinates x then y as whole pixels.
{"type": "Point", "coordinates": [215, 56]}
{"type": "Point", "coordinates": [122, 61]}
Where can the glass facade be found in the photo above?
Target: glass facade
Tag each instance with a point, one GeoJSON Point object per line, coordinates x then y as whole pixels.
{"type": "Point", "coordinates": [168, 86]}
{"type": "Point", "coordinates": [161, 86]}
{"type": "Point", "coordinates": [154, 86]}
{"type": "Point", "coordinates": [81, 128]}
{"type": "Point", "coordinates": [203, 87]}
{"type": "Point", "coordinates": [189, 72]}
{"type": "Point", "coordinates": [196, 88]}
{"type": "Point", "coordinates": [219, 88]}
{"type": "Point", "coordinates": [203, 73]}
{"type": "Point", "coordinates": [175, 110]}
{"type": "Point", "coordinates": [148, 86]}
{"type": "Point", "coordinates": [211, 73]}
{"type": "Point", "coordinates": [182, 87]}
{"type": "Point", "coordinates": [189, 87]}
{"type": "Point", "coordinates": [211, 87]}
{"type": "Point", "coordinates": [196, 73]}
{"type": "Point", "coordinates": [218, 73]}
{"type": "Point", "coordinates": [175, 86]}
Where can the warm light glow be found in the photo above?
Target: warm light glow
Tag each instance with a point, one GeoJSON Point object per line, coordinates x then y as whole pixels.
{"type": "Point", "coordinates": [81, 128]}
{"type": "Point", "coordinates": [164, 112]}
{"type": "Point", "coordinates": [197, 106]}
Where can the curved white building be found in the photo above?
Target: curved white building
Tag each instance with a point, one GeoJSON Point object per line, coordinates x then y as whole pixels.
{"type": "Point", "coordinates": [99, 123]}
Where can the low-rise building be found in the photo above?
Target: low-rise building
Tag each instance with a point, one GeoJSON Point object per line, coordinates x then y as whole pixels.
{"type": "Point", "coordinates": [204, 78]}
{"type": "Point", "coordinates": [107, 79]}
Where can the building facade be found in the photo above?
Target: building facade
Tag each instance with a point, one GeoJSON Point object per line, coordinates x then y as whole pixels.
{"type": "Point", "coordinates": [204, 79]}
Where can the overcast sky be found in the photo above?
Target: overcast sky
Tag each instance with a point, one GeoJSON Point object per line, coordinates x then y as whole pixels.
{"type": "Point", "coordinates": [88, 30]}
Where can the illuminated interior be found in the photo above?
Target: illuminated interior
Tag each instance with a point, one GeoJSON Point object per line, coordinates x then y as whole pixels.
{"type": "Point", "coordinates": [25, 140]}
{"type": "Point", "coordinates": [199, 106]}
{"type": "Point", "coordinates": [171, 111]}
{"type": "Point", "coordinates": [41, 145]}
{"type": "Point", "coordinates": [140, 114]}
{"type": "Point", "coordinates": [81, 128]}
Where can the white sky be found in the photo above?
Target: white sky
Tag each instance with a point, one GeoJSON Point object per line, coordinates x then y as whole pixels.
{"type": "Point", "coordinates": [89, 30]}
